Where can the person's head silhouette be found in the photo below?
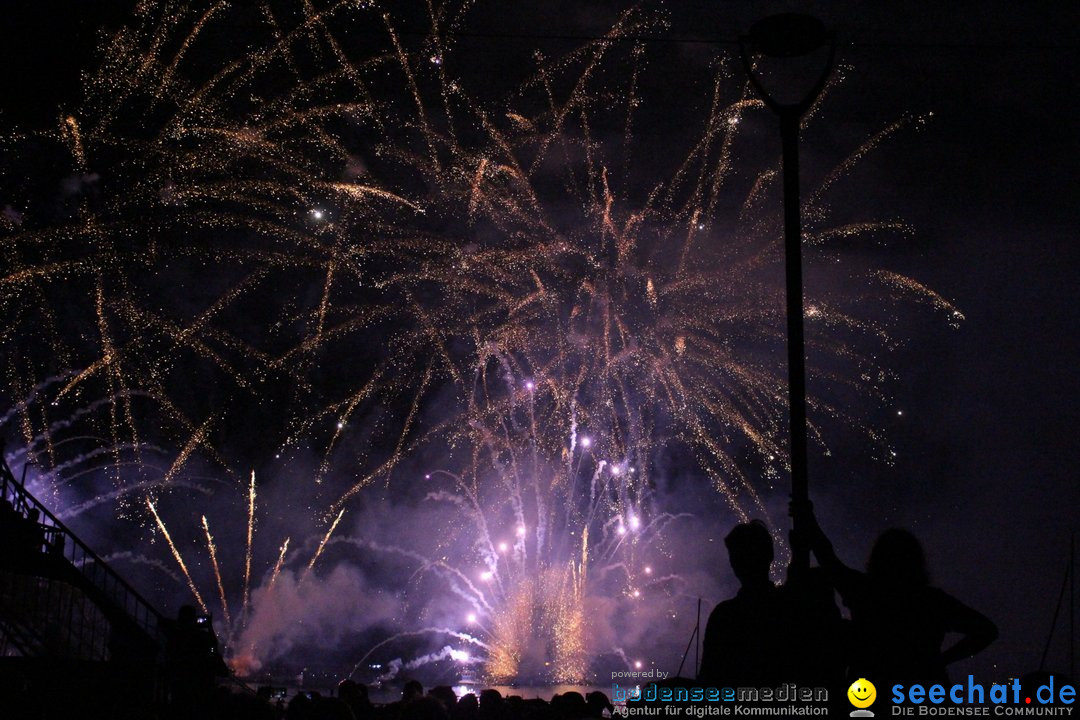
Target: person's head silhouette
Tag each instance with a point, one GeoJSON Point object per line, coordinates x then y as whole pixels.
{"type": "Point", "coordinates": [412, 690]}
{"type": "Point", "coordinates": [898, 559]}
{"type": "Point", "coordinates": [750, 549]}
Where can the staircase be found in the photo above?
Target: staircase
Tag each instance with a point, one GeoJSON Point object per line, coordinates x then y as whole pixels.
{"type": "Point", "coordinates": [62, 606]}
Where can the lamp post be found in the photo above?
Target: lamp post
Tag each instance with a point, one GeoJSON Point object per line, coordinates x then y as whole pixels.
{"type": "Point", "coordinates": [792, 36]}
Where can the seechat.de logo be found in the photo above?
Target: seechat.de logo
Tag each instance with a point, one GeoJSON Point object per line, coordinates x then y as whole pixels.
{"type": "Point", "coordinates": [862, 694]}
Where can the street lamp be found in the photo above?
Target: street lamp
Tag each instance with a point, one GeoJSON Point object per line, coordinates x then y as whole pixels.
{"type": "Point", "coordinates": [783, 37]}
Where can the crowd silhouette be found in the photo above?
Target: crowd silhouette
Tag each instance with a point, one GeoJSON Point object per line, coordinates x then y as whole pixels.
{"type": "Point", "coordinates": [351, 702]}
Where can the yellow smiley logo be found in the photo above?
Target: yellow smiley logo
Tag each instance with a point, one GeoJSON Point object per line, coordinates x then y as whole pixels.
{"type": "Point", "coordinates": [862, 693]}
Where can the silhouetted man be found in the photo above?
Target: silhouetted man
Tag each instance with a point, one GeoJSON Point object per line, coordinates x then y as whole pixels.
{"type": "Point", "coordinates": [747, 637]}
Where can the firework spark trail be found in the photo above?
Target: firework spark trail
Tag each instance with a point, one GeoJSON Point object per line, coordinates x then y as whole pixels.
{"type": "Point", "coordinates": [921, 291]}
{"type": "Point", "coordinates": [278, 565]}
{"type": "Point", "coordinates": [212, 548]}
{"type": "Point", "coordinates": [198, 437]}
{"type": "Point", "coordinates": [343, 419]}
{"type": "Point", "coordinates": [247, 548]}
{"type": "Point", "coordinates": [862, 151]}
{"type": "Point", "coordinates": [176, 555]}
{"type": "Point", "coordinates": [322, 545]}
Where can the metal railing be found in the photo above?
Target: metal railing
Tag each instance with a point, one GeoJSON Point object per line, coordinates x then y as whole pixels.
{"type": "Point", "coordinates": [50, 545]}
{"type": "Point", "coordinates": [44, 617]}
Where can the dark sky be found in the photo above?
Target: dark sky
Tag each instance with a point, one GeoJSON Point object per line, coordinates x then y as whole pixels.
{"type": "Point", "coordinates": [986, 472]}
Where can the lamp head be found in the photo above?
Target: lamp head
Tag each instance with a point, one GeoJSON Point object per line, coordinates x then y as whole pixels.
{"type": "Point", "coordinates": [787, 35]}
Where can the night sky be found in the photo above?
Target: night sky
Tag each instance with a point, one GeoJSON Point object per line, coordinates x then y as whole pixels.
{"type": "Point", "coordinates": [985, 471]}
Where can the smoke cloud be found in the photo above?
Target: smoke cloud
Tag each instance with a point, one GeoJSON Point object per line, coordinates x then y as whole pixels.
{"type": "Point", "coordinates": [311, 612]}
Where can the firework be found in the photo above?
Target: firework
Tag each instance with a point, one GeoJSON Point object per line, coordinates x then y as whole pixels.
{"type": "Point", "coordinates": [212, 549]}
{"type": "Point", "coordinates": [400, 268]}
{"type": "Point", "coordinates": [176, 554]}
{"type": "Point", "coordinates": [250, 536]}
{"type": "Point", "coordinates": [322, 545]}
{"type": "Point", "coordinates": [639, 309]}
{"type": "Point", "coordinates": [229, 628]}
{"type": "Point", "coordinates": [591, 315]}
{"type": "Point", "coordinates": [277, 565]}
{"type": "Point", "coordinates": [176, 166]}
{"type": "Point", "coordinates": [548, 533]}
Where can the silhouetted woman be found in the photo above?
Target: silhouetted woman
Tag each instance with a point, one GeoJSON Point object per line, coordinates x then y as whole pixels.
{"type": "Point", "coordinates": [899, 621]}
